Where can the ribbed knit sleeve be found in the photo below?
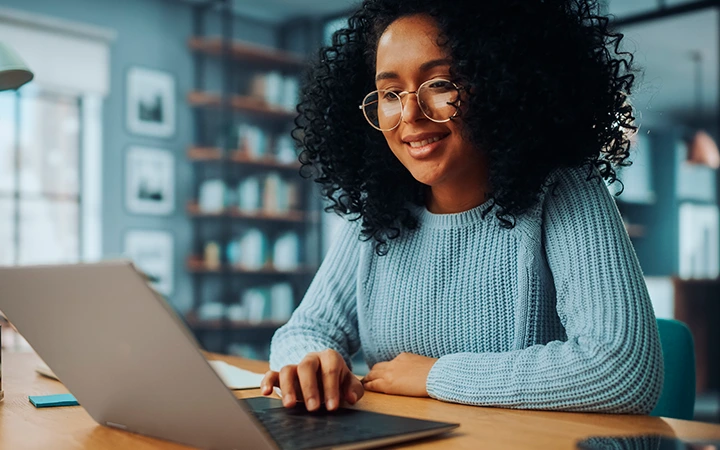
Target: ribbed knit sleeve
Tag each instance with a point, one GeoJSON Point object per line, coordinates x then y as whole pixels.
{"type": "Point", "coordinates": [327, 315]}
{"type": "Point", "coordinates": [611, 360]}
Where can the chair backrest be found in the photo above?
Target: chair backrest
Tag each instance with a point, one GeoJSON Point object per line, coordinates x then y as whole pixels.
{"type": "Point", "coordinates": [677, 399]}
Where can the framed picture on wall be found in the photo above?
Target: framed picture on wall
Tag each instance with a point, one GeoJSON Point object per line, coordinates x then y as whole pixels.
{"type": "Point", "coordinates": [149, 181]}
{"type": "Point", "coordinates": [152, 252]}
{"type": "Point", "coordinates": [150, 102]}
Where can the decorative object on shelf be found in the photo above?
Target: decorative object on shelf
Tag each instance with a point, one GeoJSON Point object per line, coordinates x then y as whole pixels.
{"type": "Point", "coordinates": [253, 250]}
{"type": "Point", "coordinates": [236, 313]}
{"type": "Point", "coordinates": [272, 193]}
{"type": "Point", "coordinates": [13, 73]}
{"type": "Point", "coordinates": [282, 302]}
{"type": "Point", "coordinates": [285, 150]}
{"type": "Point", "coordinates": [275, 90]}
{"type": "Point", "coordinates": [152, 252]}
{"type": "Point", "coordinates": [252, 141]}
{"type": "Point", "coordinates": [249, 194]}
{"type": "Point", "coordinates": [211, 311]}
{"type": "Point", "coordinates": [149, 181]}
{"type": "Point", "coordinates": [212, 255]}
{"type": "Point", "coordinates": [290, 90]}
{"type": "Point", "coordinates": [212, 196]}
{"type": "Point", "coordinates": [150, 102]}
{"type": "Point", "coordinates": [256, 300]}
{"type": "Point", "coordinates": [286, 251]}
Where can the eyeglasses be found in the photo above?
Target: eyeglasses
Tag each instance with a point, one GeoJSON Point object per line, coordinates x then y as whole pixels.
{"type": "Point", "coordinates": [439, 101]}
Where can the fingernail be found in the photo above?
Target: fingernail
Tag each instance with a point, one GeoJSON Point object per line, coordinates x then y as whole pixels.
{"type": "Point", "coordinates": [353, 397]}
{"type": "Point", "coordinates": [330, 404]}
{"type": "Point", "coordinates": [312, 403]}
{"type": "Point", "coordinates": [286, 399]}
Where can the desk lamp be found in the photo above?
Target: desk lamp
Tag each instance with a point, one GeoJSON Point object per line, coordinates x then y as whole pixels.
{"type": "Point", "coordinates": [13, 71]}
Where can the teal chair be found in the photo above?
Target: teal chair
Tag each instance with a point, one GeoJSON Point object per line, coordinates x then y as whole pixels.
{"type": "Point", "coordinates": [677, 399]}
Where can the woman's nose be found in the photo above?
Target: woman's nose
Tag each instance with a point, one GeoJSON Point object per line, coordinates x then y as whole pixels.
{"type": "Point", "coordinates": [411, 108]}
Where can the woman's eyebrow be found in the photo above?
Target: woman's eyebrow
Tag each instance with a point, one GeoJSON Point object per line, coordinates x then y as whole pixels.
{"type": "Point", "coordinates": [424, 67]}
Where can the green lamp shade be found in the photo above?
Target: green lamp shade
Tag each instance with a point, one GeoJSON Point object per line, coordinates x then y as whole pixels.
{"type": "Point", "coordinates": [13, 71]}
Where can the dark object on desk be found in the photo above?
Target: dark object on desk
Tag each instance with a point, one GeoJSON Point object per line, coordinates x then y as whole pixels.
{"type": "Point", "coordinates": [45, 401]}
{"type": "Point", "coordinates": [162, 385]}
{"type": "Point", "coordinates": [647, 442]}
{"type": "Point", "coordinates": [299, 429]}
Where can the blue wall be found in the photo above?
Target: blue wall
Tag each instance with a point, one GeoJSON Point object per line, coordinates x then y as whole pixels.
{"type": "Point", "coordinates": [152, 34]}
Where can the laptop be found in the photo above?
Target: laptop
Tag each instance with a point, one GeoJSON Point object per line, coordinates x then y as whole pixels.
{"type": "Point", "coordinates": [122, 351]}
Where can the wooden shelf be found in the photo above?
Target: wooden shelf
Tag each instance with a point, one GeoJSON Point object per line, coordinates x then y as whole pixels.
{"type": "Point", "coordinates": [292, 216]}
{"type": "Point", "coordinates": [241, 103]}
{"type": "Point", "coordinates": [214, 154]}
{"type": "Point", "coordinates": [222, 324]}
{"type": "Point", "coordinates": [251, 53]}
{"type": "Point", "coordinates": [196, 264]}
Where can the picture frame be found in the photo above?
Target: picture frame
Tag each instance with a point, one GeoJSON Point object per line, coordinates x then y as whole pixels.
{"type": "Point", "coordinates": [151, 102]}
{"type": "Point", "coordinates": [149, 181]}
{"type": "Point", "coordinates": [152, 252]}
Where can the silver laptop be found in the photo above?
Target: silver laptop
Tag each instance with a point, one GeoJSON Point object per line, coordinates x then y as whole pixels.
{"type": "Point", "coordinates": [124, 354]}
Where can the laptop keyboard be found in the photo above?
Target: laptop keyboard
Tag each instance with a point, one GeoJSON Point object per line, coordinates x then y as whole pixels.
{"type": "Point", "coordinates": [300, 431]}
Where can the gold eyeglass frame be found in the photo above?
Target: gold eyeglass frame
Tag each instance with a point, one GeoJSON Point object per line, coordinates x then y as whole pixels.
{"type": "Point", "coordinates": [400, 96]}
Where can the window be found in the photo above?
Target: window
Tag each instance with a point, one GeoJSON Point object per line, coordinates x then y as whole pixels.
{"type": "Point", "coordinates": [40, 182]}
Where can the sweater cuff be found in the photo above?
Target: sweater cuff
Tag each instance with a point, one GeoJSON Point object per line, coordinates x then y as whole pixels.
{"type": "Point", "coordinates": [437, 384]}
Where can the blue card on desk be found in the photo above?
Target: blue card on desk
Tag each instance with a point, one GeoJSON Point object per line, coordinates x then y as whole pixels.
{"type": "Point", "coordinates": [44, 401]}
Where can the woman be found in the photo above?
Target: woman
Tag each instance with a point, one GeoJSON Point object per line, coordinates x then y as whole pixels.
{"type": "Point", "coordinates": [483, 260]}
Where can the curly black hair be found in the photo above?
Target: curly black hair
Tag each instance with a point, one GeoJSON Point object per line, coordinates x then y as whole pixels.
{"type": "Point", "coordinates": [547, 87]}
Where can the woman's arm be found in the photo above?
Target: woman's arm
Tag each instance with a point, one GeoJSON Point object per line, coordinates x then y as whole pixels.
{"type": "Point", "coordinates": [611, 361]}
{"type": "Point", "coordinates": [327, 315]}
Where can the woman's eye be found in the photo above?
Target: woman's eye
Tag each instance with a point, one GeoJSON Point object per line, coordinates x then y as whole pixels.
{"type": "Point", "coordinates": [389, 95]}
{"type": "Point", "coordinates": [440, 85]}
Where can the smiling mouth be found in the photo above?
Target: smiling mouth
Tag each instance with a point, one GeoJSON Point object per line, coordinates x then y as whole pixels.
{"type": "Point", "coordinates": [424, 142]}
{"type": "Point", "coordinates": [424, 148]}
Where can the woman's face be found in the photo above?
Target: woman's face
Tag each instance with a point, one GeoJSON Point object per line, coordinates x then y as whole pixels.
{"type": "Point", "coordinates": [407, 56]}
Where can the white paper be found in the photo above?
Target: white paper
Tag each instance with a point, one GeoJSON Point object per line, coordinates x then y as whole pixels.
{"type": "Point", "coordinates": [235, 377]}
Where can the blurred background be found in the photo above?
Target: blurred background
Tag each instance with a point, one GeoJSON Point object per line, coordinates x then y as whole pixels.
{"type": "Point", "coordinates": [159, 130]}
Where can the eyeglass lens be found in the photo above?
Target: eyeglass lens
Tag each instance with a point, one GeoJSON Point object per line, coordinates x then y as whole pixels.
{"type": "Point", "coordinates": [437, 100]}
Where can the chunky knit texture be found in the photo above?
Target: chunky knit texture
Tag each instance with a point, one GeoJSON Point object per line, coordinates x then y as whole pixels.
{"type": "Point", "coordinates": [552, 314]}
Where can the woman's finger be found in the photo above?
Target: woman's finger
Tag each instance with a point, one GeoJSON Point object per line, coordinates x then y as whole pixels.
{"type": "Point", "coordinates": [331, 373]}
{"type": "Point", "coordinates": [307, 373]}
{"type": "Point", "coordinates": [375, 386]}
{"type": "Point", "coordinates": [270, 380]}
{"type": "Point", "coordinates": [352, 388]}
{"type": "Point", "coordinates": [288, 375]}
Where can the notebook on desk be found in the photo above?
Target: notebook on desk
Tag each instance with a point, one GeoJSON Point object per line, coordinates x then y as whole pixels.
{"type": "Point", "coordinates": [124, 354]}
{"type": "Point", "coordinates": [234, 378]}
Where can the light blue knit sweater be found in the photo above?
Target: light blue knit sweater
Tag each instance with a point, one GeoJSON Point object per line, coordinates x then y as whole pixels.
{"type": "Point", "coordinates": [552, 314]}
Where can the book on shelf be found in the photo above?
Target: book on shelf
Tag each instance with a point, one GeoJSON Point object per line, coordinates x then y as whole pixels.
{"type": "Point", "coordinates": [256, 305]}
{"type": "Point", "coordinates": [275, 90]}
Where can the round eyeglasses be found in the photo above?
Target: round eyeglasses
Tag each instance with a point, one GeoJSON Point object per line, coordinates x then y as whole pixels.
{"type": "Point", "coordinates": [439, 101]}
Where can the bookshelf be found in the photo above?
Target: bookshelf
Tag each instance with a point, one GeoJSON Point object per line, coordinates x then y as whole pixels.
{"type": "Point", "coordinates": [241, 132]}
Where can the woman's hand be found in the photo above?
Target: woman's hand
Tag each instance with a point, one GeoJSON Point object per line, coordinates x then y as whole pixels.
{"type": "Point", "coordinates": [405, 375]}
{"type": "Point", "coordinates": [320, 377]}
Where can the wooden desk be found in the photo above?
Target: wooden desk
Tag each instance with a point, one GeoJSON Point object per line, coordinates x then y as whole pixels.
{"type": "Point", "coordinates": [70, 428]}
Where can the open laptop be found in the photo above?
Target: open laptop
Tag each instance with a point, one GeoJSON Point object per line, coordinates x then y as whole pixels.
{"type": "Point", "coordinates": [132, 364]}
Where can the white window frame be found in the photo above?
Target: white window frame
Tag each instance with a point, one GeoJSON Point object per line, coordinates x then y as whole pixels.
{"type": "Point", "coordinates": [72, 58]}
